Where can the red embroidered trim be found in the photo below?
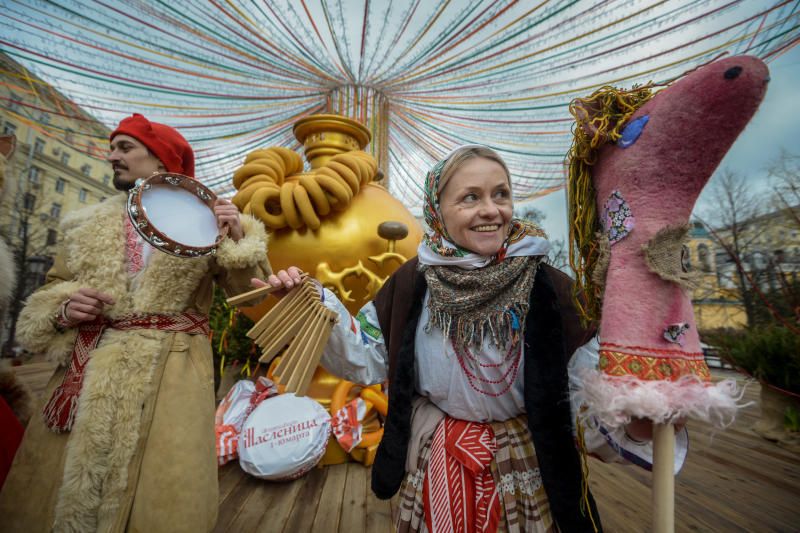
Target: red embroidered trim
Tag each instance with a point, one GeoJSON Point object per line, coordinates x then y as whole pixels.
{"type": "Point", "coordinates": [59, 413]}
{"type": "Point", "coordinates": [459, 492]}
{"type": "Point", "coordinates": [133, 248]}
{"type": "Point", "coordinates": [646, 368]}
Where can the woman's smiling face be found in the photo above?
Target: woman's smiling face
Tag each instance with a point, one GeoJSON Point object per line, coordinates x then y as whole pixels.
{"type": "Point", "coordinates": [476, 206]}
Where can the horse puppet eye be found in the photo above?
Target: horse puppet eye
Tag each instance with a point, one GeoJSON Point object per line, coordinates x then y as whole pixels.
{"type": "Point", "coordinates": [732, 73]}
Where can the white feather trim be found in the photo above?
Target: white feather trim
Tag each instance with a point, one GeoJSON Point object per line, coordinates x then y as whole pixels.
{"type": "Point", "coordinates": [615, 400]}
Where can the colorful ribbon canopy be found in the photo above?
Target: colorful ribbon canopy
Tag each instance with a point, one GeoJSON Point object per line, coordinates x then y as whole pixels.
{"type": "Point", "coordinates": [234, 75]}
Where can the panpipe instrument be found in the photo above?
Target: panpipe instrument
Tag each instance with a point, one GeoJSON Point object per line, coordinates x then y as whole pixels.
{"type": "Point", "coordinates": [300, 322]}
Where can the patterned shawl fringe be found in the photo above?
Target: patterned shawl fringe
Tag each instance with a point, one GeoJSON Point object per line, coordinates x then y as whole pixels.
{"type": "Point", "coordinates": [463, 331]}
{"type": "Point", "coordinates": [491, 302]}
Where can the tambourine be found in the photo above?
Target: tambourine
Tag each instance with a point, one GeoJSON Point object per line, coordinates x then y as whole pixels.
{"type": "Point", "coordinates": [175, 214]}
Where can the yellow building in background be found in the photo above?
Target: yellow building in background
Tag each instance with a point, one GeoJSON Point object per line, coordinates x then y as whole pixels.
{"type": "Point", "coordinates": [769, 252]}
{"type": "Point", "coordinates": [716, 305]}
{"type": "Point", "coordinates": [59, 165]}
{"type": "Point", "coordinates": [770, 249]}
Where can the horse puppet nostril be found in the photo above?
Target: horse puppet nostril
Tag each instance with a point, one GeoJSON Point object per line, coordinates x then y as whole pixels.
{"type": "Point", "coordinates": [733, 73]}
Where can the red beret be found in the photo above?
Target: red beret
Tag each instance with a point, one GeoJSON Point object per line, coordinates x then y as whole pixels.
{"type": "Point", "coordinates": [164, 142]}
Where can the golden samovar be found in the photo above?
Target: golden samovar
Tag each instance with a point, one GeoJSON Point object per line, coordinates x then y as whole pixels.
{"type": "Point", "coordinates": [352, 239]}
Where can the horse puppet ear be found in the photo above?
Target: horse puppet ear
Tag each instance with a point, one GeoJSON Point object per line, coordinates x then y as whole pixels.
{"type": "Point", "coordinates": [600, 115]}
{"type": "Point", "coordinates": [585, 112]}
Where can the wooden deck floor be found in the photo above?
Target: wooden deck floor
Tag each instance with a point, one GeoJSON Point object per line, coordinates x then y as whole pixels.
{"type": "Point", "coordinates": [733, 481]}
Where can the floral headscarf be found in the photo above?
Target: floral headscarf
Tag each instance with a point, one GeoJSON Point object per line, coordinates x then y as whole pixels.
{"type": "Point", "coordinates": [437, 247]}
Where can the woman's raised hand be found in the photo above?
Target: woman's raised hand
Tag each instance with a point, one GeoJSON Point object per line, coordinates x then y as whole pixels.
{"type": "Point", "coordinates": [283, 279]}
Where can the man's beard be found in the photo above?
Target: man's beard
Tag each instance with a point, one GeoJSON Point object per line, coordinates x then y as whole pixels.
{"type": "Point", "coordinates": [122, 185]}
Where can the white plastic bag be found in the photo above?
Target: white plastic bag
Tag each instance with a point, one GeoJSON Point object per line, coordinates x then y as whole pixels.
{"type": "Point", "coordinates": [284, 437]}
{"type": "Point", "coordinates": [233, 409]}
{"type": "Point", "coordinates": [229, 418]}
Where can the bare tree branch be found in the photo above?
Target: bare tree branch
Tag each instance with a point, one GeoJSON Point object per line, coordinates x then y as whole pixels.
{"type": "Point", "coordinates": [784, 172]}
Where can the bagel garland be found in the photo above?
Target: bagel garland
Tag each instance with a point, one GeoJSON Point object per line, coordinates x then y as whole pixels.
{"type": "Point", "coordinates": [374, 399]}
{"type": "Point", "coordinates": [269, 189]}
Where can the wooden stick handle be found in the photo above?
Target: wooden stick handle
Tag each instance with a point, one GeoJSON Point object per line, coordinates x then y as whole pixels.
{"type": "Point", "coordinates": [280, 315]}
{"type": "Point", "coordinates": [663, 478]}
{"type": "Point", "coordinates": [311, 351]}
{"type": "Point", "coordinates": [255, 293]}
{"type": "Point", "coordinates": [299, 351]}
{"type": "Point", "coordinates": [316, 353]}
{"type": "Point", "coordinates": [275, 314]}
{"type": "Point", "coordinates": [251, 295]}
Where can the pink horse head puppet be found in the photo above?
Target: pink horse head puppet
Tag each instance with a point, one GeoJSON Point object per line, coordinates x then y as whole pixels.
{"type": "Point", "coordinates": [637, 166]}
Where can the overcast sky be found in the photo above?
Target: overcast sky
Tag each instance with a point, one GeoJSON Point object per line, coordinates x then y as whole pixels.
{"type": "Point", "coordinates": [776, 125]}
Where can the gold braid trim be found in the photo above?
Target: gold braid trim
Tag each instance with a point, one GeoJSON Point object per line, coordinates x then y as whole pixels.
{"type": "Point", "coordinates": [269, 190]}
{"type": "Point", "coordinates": [605, 114]}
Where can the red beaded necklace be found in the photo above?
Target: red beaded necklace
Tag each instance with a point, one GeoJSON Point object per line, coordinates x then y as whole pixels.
{"type": "Point", "coordinates": [508, 377]}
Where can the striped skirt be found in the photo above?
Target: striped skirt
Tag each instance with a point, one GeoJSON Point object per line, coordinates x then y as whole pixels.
{"type": "Point", "coordinates": [523, 505]}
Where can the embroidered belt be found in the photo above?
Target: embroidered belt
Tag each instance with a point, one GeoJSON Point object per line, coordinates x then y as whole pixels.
{"type": "Point", "coordinates": [59, 413]}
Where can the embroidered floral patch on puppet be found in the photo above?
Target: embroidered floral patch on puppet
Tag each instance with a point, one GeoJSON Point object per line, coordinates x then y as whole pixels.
{"type": "Point", "coordinates": [618, 219]}
{"type": "Point", "coordinates": [632, 131]}
{"type": "Point", "coordinates": [675, 332]}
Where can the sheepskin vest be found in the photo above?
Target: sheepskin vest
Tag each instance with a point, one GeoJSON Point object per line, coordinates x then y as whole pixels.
{"type": "Point", "coordinates": [552, 334]}
{"type": "Point", "coordinates": [140, 456]}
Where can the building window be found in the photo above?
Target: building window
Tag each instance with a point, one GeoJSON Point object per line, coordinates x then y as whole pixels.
{"type": "Point", "coordinates": [52, 237]}
{"type": "Point", "coordinates": [22, 232]}
{"type": "Point", "coordinates": [34, 174]}
{"type": "Point", "coordinates": [83, 194]}
{"type": "Point", "coordinates": [106, 179]}
{"type": "Point", "coordinates": [61, 184]}
{"type": "Point", "coordinates": [70, 136]}
{"type": "Point", "coordinates": [64, 158]}
{"type": "Point", "coordinates": [38, 146]}
{"type": "Point", "coordinates": [9, 128]}
{"type": "Point", "coordinates": [87, 170]}
{"type": "Point", "coordinates": [29, 201]}
{"type": "Point", "coordinates": [702, 257]}
{"type": "Point", "coordinates": [55, 210]}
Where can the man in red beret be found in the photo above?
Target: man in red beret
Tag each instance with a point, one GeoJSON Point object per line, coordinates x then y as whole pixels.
{"type": "Point", "coordinates": [125, 440]}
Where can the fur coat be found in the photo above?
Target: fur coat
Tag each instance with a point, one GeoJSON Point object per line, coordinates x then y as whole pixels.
{"type": "Point", "coordinates": [140, 456]}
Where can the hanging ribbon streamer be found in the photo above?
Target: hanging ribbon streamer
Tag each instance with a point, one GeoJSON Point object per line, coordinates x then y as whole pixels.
{"type": "Point", "coordinates": [235, 75]}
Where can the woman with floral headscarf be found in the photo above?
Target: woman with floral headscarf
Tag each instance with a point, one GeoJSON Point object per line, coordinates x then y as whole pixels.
{"type": "Point", "coordinates": [474, 336]}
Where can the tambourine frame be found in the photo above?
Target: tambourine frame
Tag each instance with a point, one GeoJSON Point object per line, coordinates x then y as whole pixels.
{"type": "Point", "coordinates": [152, 234]}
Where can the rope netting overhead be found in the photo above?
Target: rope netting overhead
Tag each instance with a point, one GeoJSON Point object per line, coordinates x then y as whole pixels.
{"type": "Point", "coordinates": [234, 75]}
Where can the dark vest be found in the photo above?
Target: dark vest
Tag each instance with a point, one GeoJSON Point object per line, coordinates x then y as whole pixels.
{"type": "Point", "coordinates": [552, 334]}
